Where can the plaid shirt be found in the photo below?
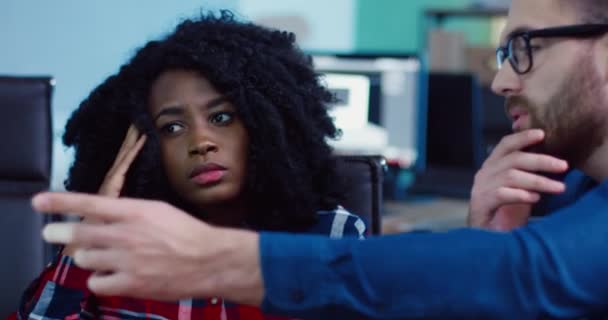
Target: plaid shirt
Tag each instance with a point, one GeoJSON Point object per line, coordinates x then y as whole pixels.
{"type": "Point", "coordinates": [60, 292]}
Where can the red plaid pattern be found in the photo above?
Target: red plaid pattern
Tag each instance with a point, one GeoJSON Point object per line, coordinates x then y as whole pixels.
{"type": "Point", "coordinates": [61, 290]}
{"type": "Point", "coordinates": [61, 293]}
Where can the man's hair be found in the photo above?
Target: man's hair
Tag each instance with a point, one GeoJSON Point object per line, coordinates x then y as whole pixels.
{"type": "Point", "coordinates": [290, 169]}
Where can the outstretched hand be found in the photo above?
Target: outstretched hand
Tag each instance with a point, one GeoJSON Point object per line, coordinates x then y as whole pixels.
{"type": "Point", "coordinates": [149, 249]}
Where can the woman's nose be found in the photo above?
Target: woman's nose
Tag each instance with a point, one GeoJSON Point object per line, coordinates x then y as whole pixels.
{"type": "Point", "coordinates": [201, 144]}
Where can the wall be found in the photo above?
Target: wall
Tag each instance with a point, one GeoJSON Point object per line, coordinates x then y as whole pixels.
{"type": "Point", "coordinates": [80, 43]}
{"type": "Point", "coordinates": [397, 25]}
{"type": "Point", "coordinates": [320, 25]}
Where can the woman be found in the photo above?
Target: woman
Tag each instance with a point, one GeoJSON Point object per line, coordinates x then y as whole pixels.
{"type": "Point", "coordinates": [234, 125]}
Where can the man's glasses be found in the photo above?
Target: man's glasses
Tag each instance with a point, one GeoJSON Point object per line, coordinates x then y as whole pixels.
{"type": "Point", "coordinates": [519, 50]}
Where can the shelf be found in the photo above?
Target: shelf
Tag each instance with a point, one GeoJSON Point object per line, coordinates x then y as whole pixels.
{"type": "Point", "coordinates": [439, 15]}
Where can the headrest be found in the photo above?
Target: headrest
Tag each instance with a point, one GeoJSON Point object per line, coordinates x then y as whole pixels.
{"type": "Point", "coordinates": [363, 175]}
{"type": "Point", "coordinates": [26, 141]}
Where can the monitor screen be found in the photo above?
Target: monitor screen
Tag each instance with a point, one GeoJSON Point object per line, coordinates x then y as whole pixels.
{"type": "Point", "coordinates": [453, 133]}
{"type": "Point", "coordinates": [352, 94]}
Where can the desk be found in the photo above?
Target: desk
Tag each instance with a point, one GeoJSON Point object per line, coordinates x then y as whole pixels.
{"type": "Point", "coordinates": [437, 214]}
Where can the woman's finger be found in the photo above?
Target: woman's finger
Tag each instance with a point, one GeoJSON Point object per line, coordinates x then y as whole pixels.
{"type": "Point", "coordinates": [127, 144]}
{"type": "Point", "coordinates": [125, 163]}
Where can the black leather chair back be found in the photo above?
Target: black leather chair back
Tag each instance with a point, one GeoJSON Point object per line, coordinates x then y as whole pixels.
{"type": "Point", "coordinates": [25, 168]}
{"type": "Point", "coordinates": [364, 176]}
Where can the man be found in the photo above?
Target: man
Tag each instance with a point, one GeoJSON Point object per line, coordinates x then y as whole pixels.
{"type": "Point", "coordinates": [553, 79]}
{"type": "Point", "coordinates": [554, 84]}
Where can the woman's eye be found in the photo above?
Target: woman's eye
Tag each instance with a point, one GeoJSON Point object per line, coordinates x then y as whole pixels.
{"type": "Point", "coordinates": [171, 128]}
{"type": "Point", "coordinates": [221, 118]}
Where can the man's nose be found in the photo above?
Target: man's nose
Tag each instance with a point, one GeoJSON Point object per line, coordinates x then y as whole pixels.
{"type": "Point", "coordinates": [506, 82]}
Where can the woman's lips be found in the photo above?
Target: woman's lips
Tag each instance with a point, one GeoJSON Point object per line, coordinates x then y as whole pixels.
{"type": "Point", "coordinates": [209, 177]}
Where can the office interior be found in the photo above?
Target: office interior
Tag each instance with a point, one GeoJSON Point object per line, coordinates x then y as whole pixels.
{"type": "Point", "coordinates": [412, 79]}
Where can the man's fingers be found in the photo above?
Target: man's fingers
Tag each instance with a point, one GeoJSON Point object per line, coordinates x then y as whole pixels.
{"type": "Point", "coordinates": [83, 235]}
{"type": "Point", "coordinates": [534, 162]}
{"type": "Point", "coordinates": [511, 166]}
{"type": "Point", "coordinates": [510, 216]}
{"type": "Point", "coordinates": [519, 179]}
{"type": "Point", "coordinates": [86, 205]}
{"type": "Point", "coordinates": [513, 196]}
{"type": "Point", "coordinates": [110, 284]}
{"type": "Point", "coordinates": [60, 233]}
{"type": "Point", "coordinates": [517, 141]}
{"type": "Point", "coordinates": [98, 259]}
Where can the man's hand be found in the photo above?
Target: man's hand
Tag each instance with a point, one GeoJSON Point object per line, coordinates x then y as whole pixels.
{"type": "Point", "coordinates": [510, 182]}
{"type": "Point", "coordinates": [149, 249]}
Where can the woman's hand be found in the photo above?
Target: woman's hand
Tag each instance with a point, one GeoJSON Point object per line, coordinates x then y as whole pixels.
{"type": "Point", "coordinates": [115, 177]}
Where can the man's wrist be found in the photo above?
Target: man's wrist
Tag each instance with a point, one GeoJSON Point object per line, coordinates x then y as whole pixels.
{"type": "Point", "coordinates": [237, 273]}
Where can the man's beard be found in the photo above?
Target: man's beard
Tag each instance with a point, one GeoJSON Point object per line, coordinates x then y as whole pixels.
{"type": "Point", "coordinates": [573, 127]}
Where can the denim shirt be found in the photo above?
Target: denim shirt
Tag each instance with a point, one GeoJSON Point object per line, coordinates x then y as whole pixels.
{"type": "Point", "coordinates": [554, 268]}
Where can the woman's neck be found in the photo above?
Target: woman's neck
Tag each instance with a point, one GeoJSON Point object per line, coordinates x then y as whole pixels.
{"type": "Point", "coordinates": [232, 214]}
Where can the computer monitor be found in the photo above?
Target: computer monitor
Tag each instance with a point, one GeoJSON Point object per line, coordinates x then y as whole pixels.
{"type": "Point", "coordinates": [454, 135]}
{"type": "Point", "coordinates": [351, 113]}
{"type": "Point", "coordinates": [352, 94]}
{"type": "Point", "coordinates": [454, 127]}
{"type": "Point", "coordinates": [393, 96]}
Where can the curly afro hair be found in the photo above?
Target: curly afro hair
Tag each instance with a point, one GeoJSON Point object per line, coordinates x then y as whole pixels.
{"type": "Point", "coordinates": [272, 84]}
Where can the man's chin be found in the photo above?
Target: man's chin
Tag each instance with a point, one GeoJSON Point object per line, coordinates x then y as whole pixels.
{"type": "Point", "coordinates": [553, 150]}
{"type": "Point", "coordinates": [522, 127]}
{"type": "Point", "coordinates": [537, 148]}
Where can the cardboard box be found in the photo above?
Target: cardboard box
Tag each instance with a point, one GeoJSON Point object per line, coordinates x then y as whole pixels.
{"type": "Point", "coordinates": [482, 62]}
{"type": "Point", "coordinates": [447, 51]}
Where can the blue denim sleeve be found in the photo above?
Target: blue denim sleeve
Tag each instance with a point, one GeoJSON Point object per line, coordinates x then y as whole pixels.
{"type": "Point", "coordinates": [555, 268]}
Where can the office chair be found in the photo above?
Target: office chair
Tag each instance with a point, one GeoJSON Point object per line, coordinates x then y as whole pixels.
{"type": "Point", "coordinates": [25, 169]}
{"type": "Point", "coordinates": [364, 176]}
